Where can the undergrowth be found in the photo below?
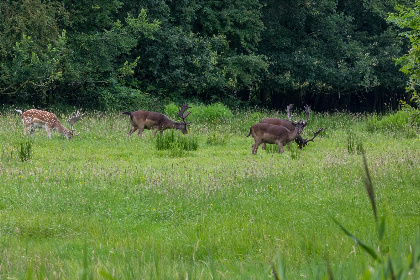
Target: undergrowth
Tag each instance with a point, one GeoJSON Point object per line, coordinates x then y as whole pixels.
{"type": "Point", "coordinates": [398, 123]}
{"type": "Point", "coordinates": [176, 143]}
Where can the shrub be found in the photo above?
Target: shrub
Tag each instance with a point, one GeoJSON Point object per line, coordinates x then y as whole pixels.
{"type": "Point", "coordinates": [208, 113]}
{"type": "Point", "coordinates": [176, 143]}
{"type": "Point", "coordinates": [171, 110]}
{"type": "Point", "coordinates": [213, 112]}
{"type": "Point", "coordinates": [398, 120]}
{"type": "Point", "coordinates": [25, 151]}
{"type": "Point", "coordinates": [354, 144]}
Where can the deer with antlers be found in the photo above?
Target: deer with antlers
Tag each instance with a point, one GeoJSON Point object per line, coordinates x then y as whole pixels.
{"type": "Point", "coordinates": [274, 134]}
{"type": "Point", "coordinates": [141, 120]}
{"type": "Point", "coordinates": [289, 124]}
{"type": "Point", "coordinates": [34, 118]}
{"type": "Point", "coordinates": [300, 141]}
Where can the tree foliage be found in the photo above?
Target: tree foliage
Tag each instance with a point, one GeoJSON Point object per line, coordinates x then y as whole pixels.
{"type": "Point", "coordinates": [328, 53]}
{"type": "Point", "coordinates": [408, 19]}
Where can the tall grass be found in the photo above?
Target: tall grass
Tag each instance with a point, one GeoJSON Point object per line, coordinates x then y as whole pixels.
{"type": "Point", "coordinates": [105, 205]}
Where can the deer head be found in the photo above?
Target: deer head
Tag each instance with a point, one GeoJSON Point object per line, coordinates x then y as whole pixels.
{"type": "Point", "coordinates": [182, 114]}
{"type": "Point", "coordinates": [73, 119]}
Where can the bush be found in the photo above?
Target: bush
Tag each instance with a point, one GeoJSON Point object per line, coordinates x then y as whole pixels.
{"type": "Point", "coordinates": [171, 110]}
{"type": "Point", "coordinates": [208, 113]}
{"type": "Point", "coordinates": [397, 121]}
{"type": "Point", "coordinates": [176, 143]}
{"type": "Point", "coordinates": [25, 152]}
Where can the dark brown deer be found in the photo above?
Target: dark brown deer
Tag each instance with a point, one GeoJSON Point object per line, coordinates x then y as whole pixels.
{"type": "Point", "coordinates": [141, 120]}
{"type": "Point", "coordinates": [34, 118]}
{"type": "Point", "coordinates": [290, 125]}
{"type": "Point", "coordinates": [274, 134]}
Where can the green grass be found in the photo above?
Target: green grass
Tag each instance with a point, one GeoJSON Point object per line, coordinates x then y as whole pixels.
{"type": "Point", "coordinates": [107, 206]}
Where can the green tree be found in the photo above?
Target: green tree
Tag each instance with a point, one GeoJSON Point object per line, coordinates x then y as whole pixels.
{"type": "Point", "coordinates": [31, 45]}
{"type": "Point", "coordinates": [205, 49]}
{"type": "Point", "coordinates": [66, 51]}
{"type": "Point", "coordinates": [327, 51]}
{"type": "Point", "coordinates": [408, 19]}
{"type": "Point", "coordinates": [34, 73]}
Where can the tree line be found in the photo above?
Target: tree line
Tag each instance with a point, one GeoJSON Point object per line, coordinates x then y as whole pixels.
{"type": "Point", "coordinates": [122, 54]}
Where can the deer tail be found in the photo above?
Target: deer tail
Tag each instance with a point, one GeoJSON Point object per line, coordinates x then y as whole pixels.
{"type": "Point", "coordinates": [126, 113]}
{"type": "Point", "coordinates": [249, 133]}
{"type": "Point", "coordinates": [19, 111]}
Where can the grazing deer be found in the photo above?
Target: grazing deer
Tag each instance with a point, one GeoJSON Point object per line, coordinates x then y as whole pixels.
{"type": "Point", "coordinates": [34, 118]}
{"type": "Point", "coordinates": [273, 134]}
{"type": "Point", "coordinates": [158, 122]}
{"type": "Point", "coordinates": [290, 125]}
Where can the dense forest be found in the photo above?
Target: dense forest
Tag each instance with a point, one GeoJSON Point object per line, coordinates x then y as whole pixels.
{"type": "Point", "coordinates": [122, 54]}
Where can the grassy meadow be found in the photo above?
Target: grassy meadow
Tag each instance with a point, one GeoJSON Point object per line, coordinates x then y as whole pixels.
{"type": "Point", "coordinates": [107, 206]}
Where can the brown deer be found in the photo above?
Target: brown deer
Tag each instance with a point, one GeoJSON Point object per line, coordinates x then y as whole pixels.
{"type": "Point", "coordinates": [290, 125]}
{"type": "Point", "coordinates": [273, 134]}
{"type": "Point", "coordinates": [34, 118]}
{"type": "Point", "coordinates": [158, 122]}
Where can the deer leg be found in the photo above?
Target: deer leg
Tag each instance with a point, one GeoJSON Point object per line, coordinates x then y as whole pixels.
{"type": "Point", "coordinates": [140, 133]}
{"type": "Point", "coordinates": [132, 130]}
{"type": "Point", "coordinates": [48, 131]}
{"type": "Point", "coordinates": [255, 147]}
{"type": "Point", "coordinates": [263, 146]}
{"type": "Point", "coordinates": [26, 129]}
{"type": "Point", "coordinates": [32, 127]}
{"type": "Point", "coordinates": [280, 149]}
{"type": "Point", "coordinates": [156, 130]}
{"type": "Point", "coordinates": [288, 146]}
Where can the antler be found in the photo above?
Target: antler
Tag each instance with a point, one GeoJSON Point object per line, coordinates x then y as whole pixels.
{"type": "Point", "coordinates": [308, 111]}
{"type": "Point", "coordinates": [74, 118]}
{"type": "Point", "coordinates": [305, 141]}
{"type": "Point", "coordinates": [182, 114]}
{"type": "Point", "coordinates": [289, 113]}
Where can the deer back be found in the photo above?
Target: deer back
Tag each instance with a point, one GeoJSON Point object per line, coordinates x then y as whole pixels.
{"type": "Point", "coordinates": [287, 124]}
{"type": "Point", "coordinates": [150, 120]}
{"type": "Point", "coordinates": [270, 133]}
{"type": "Point", "coordinates": [39, 117]}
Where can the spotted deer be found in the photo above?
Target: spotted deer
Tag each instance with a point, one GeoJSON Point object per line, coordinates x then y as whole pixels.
{"type": "Point", "coordinates": [141, 120]}
{"type": "Point", "coordinates": [34, 118]}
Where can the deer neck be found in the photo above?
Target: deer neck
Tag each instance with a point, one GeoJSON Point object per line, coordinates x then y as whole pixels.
{"type": "Point", "coordinates": [177, 125]}
{"type": "Point", "coordinates": [293, 134]}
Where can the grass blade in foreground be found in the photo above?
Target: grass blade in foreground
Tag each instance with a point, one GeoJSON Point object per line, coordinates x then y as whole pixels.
{"type": "Point", "coordinates": [369, 250]}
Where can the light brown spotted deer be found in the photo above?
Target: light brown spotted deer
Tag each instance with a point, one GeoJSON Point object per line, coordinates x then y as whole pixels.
{"type": "Point", "coordinates": [141, 120]}
{"type": "Point", "coordinates": [34, 118]}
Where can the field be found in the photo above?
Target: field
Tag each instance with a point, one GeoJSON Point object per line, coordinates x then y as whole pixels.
{"type": "Point", "coordinates": [107, 206]}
